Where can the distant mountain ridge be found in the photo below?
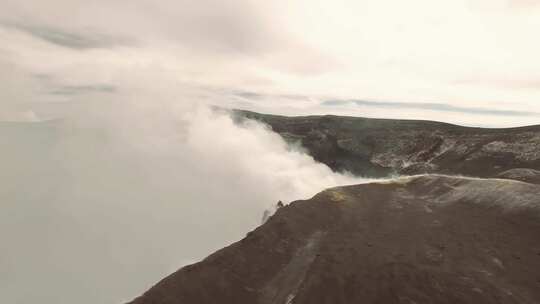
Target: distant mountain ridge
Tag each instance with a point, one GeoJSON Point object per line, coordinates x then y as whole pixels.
{"type": "Point", "coordinates": [379, 147]}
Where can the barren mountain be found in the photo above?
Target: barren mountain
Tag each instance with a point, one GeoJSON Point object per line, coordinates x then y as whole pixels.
{"type": "Point", "coordinates": [419, 239]}
{"type": "Point", "coordinates": [428, 238]}
{"type": "Point", "coordinates": [379, 147]}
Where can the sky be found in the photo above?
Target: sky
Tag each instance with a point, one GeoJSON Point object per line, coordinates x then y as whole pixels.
{"type": "Point", "coordinates": [114, 173]}
{"type": "Point", "coordinates": [470, 62]}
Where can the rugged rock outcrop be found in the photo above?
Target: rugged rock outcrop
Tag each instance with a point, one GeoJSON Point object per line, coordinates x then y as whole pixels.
{"type": "Point", "coordinates": [522, 174]}
{"type": "Point", "coordinates": [417, 239]}
{"type": "Point", "coordinates": [379, 147]}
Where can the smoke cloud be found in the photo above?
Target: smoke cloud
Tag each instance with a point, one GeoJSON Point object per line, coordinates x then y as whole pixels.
{"type": "Point", "coordinates": [103, 203]}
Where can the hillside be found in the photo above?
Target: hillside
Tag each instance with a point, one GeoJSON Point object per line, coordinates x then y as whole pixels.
{"type": "Point", "coordinates": [420, 239]}
{"type": "Point", "coordinates": [379, 147]}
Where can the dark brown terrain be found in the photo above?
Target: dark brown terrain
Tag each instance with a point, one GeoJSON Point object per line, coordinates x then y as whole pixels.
{"type": "Point", "coordinates": [525, 175]}
{"type": "Point", "coordinates": [379, 147]}
{"type": "Point", "coordinates": [422, 239]}
{"type": "Point", "coordinates": [427, 238]}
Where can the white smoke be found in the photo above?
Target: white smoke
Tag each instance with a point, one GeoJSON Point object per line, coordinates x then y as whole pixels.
{"type": "Point", "coordinates": [101, 205]}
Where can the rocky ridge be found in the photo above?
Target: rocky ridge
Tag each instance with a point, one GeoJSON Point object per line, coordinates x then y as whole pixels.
{"type": "Point", "coordinates": [419, 239]}
{"type": "Point", "coordinates": [380, 147]}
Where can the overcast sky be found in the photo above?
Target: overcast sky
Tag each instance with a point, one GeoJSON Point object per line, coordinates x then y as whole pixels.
{"type": "Point", "coordinates": [472, 62]}
{"type": "Point", "coordinates": [137, 178]}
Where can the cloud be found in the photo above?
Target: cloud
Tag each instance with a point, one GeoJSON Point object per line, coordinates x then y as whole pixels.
{"type": "Point", "coordinates": [250, 95]}
{"type": "Point", "coordinates": [210, 26]}
{"type": "Point", "coordinates": [17, 93]}
{"type": "Point", "coordinates": [83, 89]}
{"type": "Point", "coordinates": [532, 83]}
{"type": "Point", "coordinates": [521, 4]}
{"type": "Point", "coordinates": [440, 107]}
{"type": "Point", "coordinates": [63, 38]}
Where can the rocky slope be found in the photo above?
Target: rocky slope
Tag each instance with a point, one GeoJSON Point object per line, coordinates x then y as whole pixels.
{"type": "Point", "coordinates": [427, 238]}
{"type": "Point", "coordinates": [419, 239]}
{"type": "Point", "coordinates": [522, 174]}
{"type": "Point", "coordinates": [379, 147]}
